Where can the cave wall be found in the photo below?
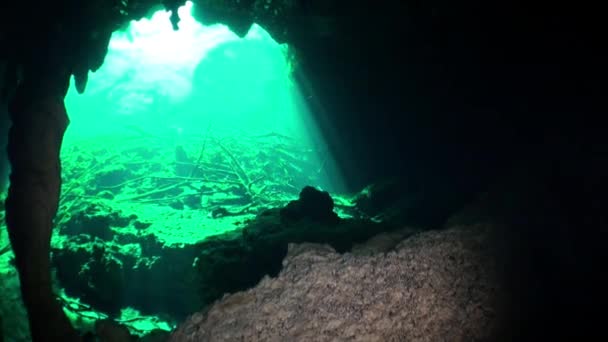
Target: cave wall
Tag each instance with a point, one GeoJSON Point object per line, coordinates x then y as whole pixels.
{"type": "Point", "coordinates": [4, 167]}
{"type": "Point", "coordinates": [442, 93]}
{"type": "Point", "coordinates": [453, 93]}
{"type": "Point", "coordinates": [434, 92]}
{"type": "Point", "coordinates": [460, 94]}
{"type": "Point", "coordinates": [4, 126]}
{"type": "Point", "coordinates": [450, 94]}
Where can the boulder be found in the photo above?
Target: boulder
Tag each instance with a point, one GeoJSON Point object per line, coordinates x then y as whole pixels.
{"type": "Point", "coordinates": [434, 286]}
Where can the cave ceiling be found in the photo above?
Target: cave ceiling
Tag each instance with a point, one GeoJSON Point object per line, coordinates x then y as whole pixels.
{"type": "Point", "coordinates": [78, 32]}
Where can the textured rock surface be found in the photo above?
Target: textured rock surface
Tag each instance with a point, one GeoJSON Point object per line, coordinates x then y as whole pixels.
{"type": "Point", "coordinates": [101, 260]}
{"type": "Point", "coordinates": [434, 286]}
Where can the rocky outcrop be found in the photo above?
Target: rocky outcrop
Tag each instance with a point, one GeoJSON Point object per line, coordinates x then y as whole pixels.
{"type": "Point", "coordinates": [439, 285]}
{"type": "Point", "coordinates": [104, 259]}
{"type": "Point", "coordinates": [313, 204]}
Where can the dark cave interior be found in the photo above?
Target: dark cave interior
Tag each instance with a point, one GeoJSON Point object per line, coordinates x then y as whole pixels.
{"type": "Point", "coordinates": [455, 98]}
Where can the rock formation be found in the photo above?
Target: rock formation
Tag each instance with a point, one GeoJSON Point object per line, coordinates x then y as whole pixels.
{"type": "Point", "coordinates": [435, 286]}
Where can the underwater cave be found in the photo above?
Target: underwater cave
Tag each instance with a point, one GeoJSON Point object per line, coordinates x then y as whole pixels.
{"type": "Point", "coordinates": [181, 135]}
{"type": "Point", "coordinates": [300, 171]}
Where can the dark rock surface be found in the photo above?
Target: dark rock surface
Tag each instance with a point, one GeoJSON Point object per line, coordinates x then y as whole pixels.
{"type": "Point", "coordinates": [555, 253]}
{"type": "Point", "coordinates": [524, 261]}
{"type": "Point", "coordinates": [107, 262]}
{"type": "Point", "coordinates": [312, 204]}
{"type": "Point", "coordinates": [439, 285]}
{"type": "Point", "coordinates": [4, 126]}
{"type": "Point", "coordinates": [413, 203]}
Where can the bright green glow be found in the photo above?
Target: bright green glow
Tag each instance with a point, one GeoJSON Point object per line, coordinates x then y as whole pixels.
{"type": "Point", "coordinates": [201, 89]}
{"type": "Point", "coordinates": [161, 80]}
{"type": "Point", "coordinates": [165, 100]}
{"type": "Point", "coordinates": [198, 81]}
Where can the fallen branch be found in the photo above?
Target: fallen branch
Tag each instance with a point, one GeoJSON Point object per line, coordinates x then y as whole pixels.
{"type": "Point", "coordinates": [174, 178]}
{"type": "Point", "coordinates": [172, 198]}
{"type": "Point", "coordinates": [183, 181]}
{"type": "Point", "coordinates": [153, 192]}
{"type": "Point", "coordinates": [245, 181]}
{"type": "Point", "coordinates": [239, 169]}
{"type": "Point", "coordinates": [5, 249]}
{"type": "Point", "coordinates": [191, 179]}
{"type": "Point", "coordinates": [208, 170]}
{"type": "Point", "coordinates": [201, 154]}
{"type": "Point", "coordinates": [216, 166]}
{"type": "Point", "coordinates": [255, 181]}
{"type": "Point", "coordinates": [124, 183]}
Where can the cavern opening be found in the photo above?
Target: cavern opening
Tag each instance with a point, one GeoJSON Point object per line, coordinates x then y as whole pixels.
{"type": "Point", "coordinates": [301, 170]}
{"type": "Point", "coordinates": [181, 135]}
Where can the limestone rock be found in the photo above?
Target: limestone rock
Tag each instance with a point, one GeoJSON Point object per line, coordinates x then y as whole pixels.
{"type": "Point", "coordinates": [435, 286]}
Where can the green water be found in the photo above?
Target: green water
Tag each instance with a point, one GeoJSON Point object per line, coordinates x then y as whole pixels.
{"type": "Point", "coordinates": [177, 124]}
{"type": "Point", "coordinates": [179, 136]}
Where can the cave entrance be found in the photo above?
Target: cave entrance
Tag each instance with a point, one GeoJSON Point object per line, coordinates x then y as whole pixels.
{"type": "Point", "coordinates": [180, 135]}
